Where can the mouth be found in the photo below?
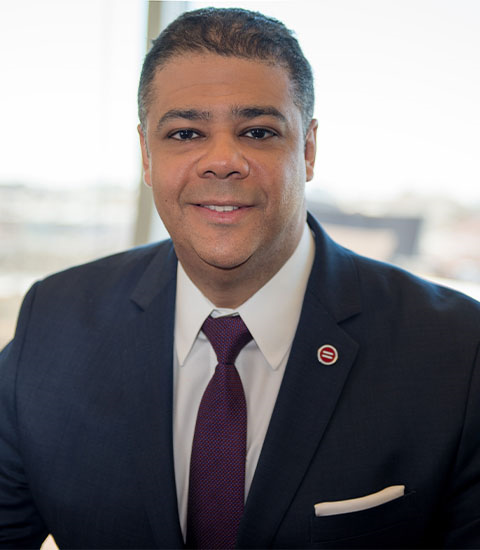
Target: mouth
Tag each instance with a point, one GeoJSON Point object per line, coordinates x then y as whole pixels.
{"type": "Point", "coordinates": [224, 213]}
{"type": "Point", "coordinates": [220, 208]}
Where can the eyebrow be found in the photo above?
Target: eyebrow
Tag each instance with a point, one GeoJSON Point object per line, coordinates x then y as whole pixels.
{"type": "Point", "coordinates": [187, 114]}
{"type": "Point", "coordinates": [254, 111]}
{"type": "Point", "coordinates": [249, 112]}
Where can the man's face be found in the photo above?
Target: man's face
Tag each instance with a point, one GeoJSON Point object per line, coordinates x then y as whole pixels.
{"type": "Point", "coordinates": [225, 153]}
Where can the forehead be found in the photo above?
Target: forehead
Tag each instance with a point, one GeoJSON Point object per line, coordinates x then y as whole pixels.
{"type": "Point", "coordinates": [218, 83]}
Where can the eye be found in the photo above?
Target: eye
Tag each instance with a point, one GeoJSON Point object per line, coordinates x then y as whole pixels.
{"type": "Point", "coordinates": [259, 133]}
{"type": "Point", "coordinates": [184, 135]}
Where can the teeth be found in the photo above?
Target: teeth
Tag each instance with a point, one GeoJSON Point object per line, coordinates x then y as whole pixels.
{"type": "Point", "coordinates": [221, 208]}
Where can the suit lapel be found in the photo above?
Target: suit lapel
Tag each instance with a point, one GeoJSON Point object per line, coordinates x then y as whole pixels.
{"type": "Point", "coordinates": [149, 389]}
{"type": "Point", "coordinates": [308, 395]}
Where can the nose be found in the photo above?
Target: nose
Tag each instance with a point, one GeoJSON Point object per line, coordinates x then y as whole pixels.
{"type": "Point", "coordinates": [223, 159]}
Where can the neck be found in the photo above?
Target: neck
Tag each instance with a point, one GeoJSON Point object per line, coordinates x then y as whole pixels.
{"type": "Point", "coordinates": [228, 288]}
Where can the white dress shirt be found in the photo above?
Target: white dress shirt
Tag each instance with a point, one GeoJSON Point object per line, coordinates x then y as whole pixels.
{"type": "Point", "coordinates": [272, 316]}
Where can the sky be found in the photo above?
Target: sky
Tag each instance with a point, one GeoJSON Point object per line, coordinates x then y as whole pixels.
{"type": "Point", "coordinates": [397, 86]}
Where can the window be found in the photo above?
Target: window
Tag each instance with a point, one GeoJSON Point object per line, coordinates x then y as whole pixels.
{"type": "Point", "coordinates": [70, 166]}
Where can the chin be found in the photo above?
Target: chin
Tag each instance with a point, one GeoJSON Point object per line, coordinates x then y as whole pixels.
{"type": "Point", "coordinates": [225, 262]}
{"type": "Point", "coordinates": [225, 265]}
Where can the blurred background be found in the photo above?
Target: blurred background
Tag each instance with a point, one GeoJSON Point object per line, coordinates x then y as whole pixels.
{"type": "Point", "coordinates": [398, 170]}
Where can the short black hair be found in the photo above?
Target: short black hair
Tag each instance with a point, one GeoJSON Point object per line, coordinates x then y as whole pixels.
{"type": "Point", "coordinates": [231, 32]}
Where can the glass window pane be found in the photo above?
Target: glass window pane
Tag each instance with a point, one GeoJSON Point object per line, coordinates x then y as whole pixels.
{"type": "Point", "coordinates": [70, 164]}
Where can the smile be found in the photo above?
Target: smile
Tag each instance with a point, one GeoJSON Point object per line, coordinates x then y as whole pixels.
{"type": "Point", "coordinates": [220, 208]}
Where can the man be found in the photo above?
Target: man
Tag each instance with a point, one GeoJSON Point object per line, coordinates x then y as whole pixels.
{"type": "Point", "coordinates": [361, 382]}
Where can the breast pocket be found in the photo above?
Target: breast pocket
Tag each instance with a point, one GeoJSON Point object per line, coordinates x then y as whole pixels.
{"type": "Point", "coordinates": [390, 525]}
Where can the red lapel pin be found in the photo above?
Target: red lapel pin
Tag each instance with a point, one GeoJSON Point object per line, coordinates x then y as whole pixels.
{"type": "Point", "coordinates": [327, 354]}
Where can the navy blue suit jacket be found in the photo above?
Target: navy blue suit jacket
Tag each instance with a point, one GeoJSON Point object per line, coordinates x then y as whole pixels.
{"type": "Point", "coordinates": [86, 411]}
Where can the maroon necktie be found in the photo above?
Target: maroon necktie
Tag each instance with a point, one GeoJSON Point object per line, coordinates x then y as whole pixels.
{"type": "Point", "coordinates": [217, 466]}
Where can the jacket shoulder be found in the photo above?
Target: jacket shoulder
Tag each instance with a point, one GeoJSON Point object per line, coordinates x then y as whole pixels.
{"type": "Point", "coordinates": [401, 296]}
{"type": "Point", "coordinates": [118, 272]}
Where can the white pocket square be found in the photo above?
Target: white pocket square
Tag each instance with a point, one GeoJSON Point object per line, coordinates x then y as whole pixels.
{"type": "Point", "coordinates": [362, 503]}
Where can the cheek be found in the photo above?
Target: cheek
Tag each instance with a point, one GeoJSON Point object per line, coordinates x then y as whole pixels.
{"type": "Point", "coordinates": [160, 192]}
{"type": "Point", "coordinates": [166, 182]}
{"type": "Point", "coordinates": [164, 200]}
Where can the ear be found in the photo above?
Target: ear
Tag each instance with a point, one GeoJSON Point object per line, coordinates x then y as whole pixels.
{"type": "Point", "coordinates": [311, 148]}
{"type": "Point", "coordinates": [145, 157]}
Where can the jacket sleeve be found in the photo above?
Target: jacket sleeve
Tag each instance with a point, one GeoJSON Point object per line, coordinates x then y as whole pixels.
{"type": "Point", "coordinates": [20, 523]}
{"type": "Point", "coordinates": [462, 513]}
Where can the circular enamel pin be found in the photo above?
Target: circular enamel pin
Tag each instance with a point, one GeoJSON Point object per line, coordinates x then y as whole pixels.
{"type": "Point", "coordinates": [327, 354]}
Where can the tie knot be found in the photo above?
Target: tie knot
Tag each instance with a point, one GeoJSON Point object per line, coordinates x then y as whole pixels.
{"type": "Point", "coordinates": [228, 335]}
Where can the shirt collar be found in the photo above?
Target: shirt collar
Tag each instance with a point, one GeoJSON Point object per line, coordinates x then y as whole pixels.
{"type": "Point", "coordinates": [271, 314]}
